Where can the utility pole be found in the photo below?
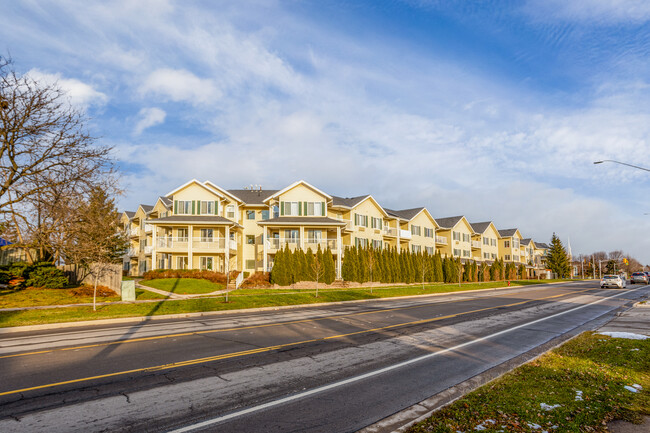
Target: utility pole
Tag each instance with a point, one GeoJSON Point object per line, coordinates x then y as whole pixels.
{"type": "Point", "coordinates": [582, 268]}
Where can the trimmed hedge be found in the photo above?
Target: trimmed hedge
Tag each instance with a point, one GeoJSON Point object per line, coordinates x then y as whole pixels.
{"type": "Point", "coordinates": [215, 277]}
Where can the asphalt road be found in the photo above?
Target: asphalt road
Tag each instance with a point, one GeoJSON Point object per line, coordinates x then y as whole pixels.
{"type": "Point", "coordinates": [330, 368]}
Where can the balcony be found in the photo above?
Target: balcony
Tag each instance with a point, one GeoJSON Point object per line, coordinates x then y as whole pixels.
{"type": "Point", "coordinates": [172, 243]}
{"type": "Point", "coordinates": [148, 228]}
{"type": "Point", "coordinates": [131, 252]}
{"type": "Point", "coordinates": [441, 240]}
{"type": "Point", "coordinates": [148, 249]}
{"type": "Point", "coordinates": [133, 231]}
{"type": "Point", "coordinates": [405, 234]}
{"type": "Point", "coordinates": [201, 244]}
{"type": "Point", "coordinates": [349, 225]}
{"type": "Point", "coordinates": [274, 244]}
{"type": "Point", "coordinates": [476, 245]}
{"type": "Point", "coordinates": [324, 244]}
{"type": "Point", "coordinates": [390, 231]}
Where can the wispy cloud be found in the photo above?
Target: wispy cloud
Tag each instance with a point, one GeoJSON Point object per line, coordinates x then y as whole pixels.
{"type": "Point", "coordinates": [78, 92]}
{"type": "Point", "coordinates": [181, 85]}
{"type": "Point", "coordinates": [148, 118]}
{"type": "Point", "coordinates": [603, 12]}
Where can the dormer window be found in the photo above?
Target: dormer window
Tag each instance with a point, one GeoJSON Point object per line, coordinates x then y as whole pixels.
{"type": "Point", "coordinates": [230, 211]}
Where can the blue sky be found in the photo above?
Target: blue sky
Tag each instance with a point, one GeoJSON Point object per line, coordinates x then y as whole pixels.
{"type": "Point", "coordinates": [494, 110]}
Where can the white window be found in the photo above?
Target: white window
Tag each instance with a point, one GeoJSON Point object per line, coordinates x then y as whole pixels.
{"type": "Point", "coordinates": [515, 258]}
{"type": "Point", "coordinates": [467, 253]}
{"type": "Point", "coordinates": [456, 252]}
{"type": "Point", "coordinates": [507, 257]}
{"type": "Point", "coordinates": [455, 236]}
{"type": "Point", "coordinates": [428, 233]}
{"type": "Point", "coordinates": [361, 220]}
{"type": "Point", "coordinates": [207, 208]}
{"type": "Point", "coordinates": [206, 263]}
{"type": "Point", "coordinates": [250, 214]}
{"type": "Point", "coordinates": [314, 208]}
{"type": "Point", "coordinates": [429, 250]}
{"type": "Point", "coordinates": [184, 207]}
{"type": "Point", "coordinates": [314, 236]}
{"type": "Point", "coordinates": [416, 248]}
{"type": "Point", "coordinates": [506, 244]}
{"type": "Point", "coordinates": [515, 243]}
{"type": "Point", "coordinates": [181, 262]}
{"type": "Point", "coordinates": [292, 236]}
{"type": "Point", "coordinates": [466, 237]}
{"type": "Point", "coordinates": [375, 223]}
{"type": "Point", "coordinates": [376, 244]}
{"type": "Point", "coordinates": [182, 235]}
{"type": "Point", "coordinates": [486, 241]}
{"type": "Point", "coordinates": [415, 230]}
{"type": "Point", "coordinates": [493, 256]}
{"type": "Point", "coordinates": [230, 211]}
{"type": "Point", "coordinates": [206, 235]}
{"type": "Point", "coordinates": [486, 255]}
{"type": "Point", "coordinates": [361, 243]}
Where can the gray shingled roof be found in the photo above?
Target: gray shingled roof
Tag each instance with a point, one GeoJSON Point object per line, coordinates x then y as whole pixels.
{"type": "Point", "coordinates": [195, 219]}
{"type": "Point", "coordinates": [448, 222]}
{"type": "Point", "coordinates": [407, 214]}
{"type": "Point", "coordinates": [252, 197]}
{"type": "Point", "coordinates": [507, 233]}
{"type": "Point", "coordinates": [302, 220]}
{"type": "Point", "coordinates": [526, 241]}
{"type": "Point", "coordinates": [480, 227]}
{"type": "Point", "coordinates": [129, 214]}
{"type": "Point", "coordinates": [348, 201]}
{"type": "Point", "coordinates": [147, 208]}
{"type": "Point", "coordinates": [166, 201]}
{"type": "Point", "coordinates": [542, 245]}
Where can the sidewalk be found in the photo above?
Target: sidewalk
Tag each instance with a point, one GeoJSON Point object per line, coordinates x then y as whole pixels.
{"type": "Point", "coordinates": [636, 320]}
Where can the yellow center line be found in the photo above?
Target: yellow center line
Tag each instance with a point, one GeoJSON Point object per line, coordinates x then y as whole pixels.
{"type": "Point", "coordinates": [268, 348]}
{"type": "Point", "coordinates": [266, 325]}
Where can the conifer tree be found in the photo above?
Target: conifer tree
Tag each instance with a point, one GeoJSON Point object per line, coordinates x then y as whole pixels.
{"type": "Point", "coordinates": [557, 259]}
{"type": "Point", "coordinates": [437, 268]}
{"type": "Point", "coordinates": [309, 265]}
{"type": "Point", "coordinates": [290, 265]}
{"type": "Point", "coordinates": [330, 268]}
{"type": "Point", "coordinates": [348, 269]}
{"type": "Point", "coordinates": [300, 262]}
{"type": "Point", "coordinates": [362, 269]}
{"type": "Point", "coordinates": [276, 276]}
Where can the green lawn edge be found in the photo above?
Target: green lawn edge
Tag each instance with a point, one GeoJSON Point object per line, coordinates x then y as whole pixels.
{"type": "Point", "coordinates": [240, 299]}
{"type": "Point", "coordinates": [586, 377]}
{"type": "Point", "coordinates": [183, 286]}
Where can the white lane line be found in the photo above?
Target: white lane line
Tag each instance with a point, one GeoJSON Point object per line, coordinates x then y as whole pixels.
{"type": "Point", "coordinates": [380, 371]}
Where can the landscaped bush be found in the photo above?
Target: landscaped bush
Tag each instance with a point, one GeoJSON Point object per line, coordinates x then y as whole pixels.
{"type": "Point", "coordinates": [87, 290]}
{"type": "Point", "coordinates": [5, 276]}
{"type": "Point", "coordinates": [215, 277]}
{"type": "Point", "coordinates": [258, 279]}
{"type": "Point", "coordinates": [47, 277]}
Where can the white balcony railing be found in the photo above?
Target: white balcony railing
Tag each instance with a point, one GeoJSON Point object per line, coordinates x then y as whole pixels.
{"type": "Point", "coordinates": [476, 244]}
{"type": "Point", "coordinates": [441, 240]}
{"type": "Point", "coordinates": [134, 231]}
{"type": "Point", "coordinates": [131, 252]}
{"type": "Point", "coordinates": [198, 243]}
{"type": "Point", "coordinates": [172, 242]}
{"type": "Point", "coordinates": [148, 249]}
{"type": "Point", "coordinates": [324, 244]}
{"type": "Point", "coordinates": [148, 228]}
{"type": "Point", "coordinates": [405, 234]}
{"type": "Point", "coordinates": [390, 231]}
{"type": "Point", "coordinates": [349, 225]}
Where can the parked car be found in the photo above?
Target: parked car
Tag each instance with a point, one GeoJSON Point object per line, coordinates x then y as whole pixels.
{"type": "Point", "coordinates": [612, 281]}
{"type": "Point", "coordinates": [639, 277]}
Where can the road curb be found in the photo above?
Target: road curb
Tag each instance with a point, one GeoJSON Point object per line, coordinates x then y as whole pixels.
{"type": "Point", "coordinates": [79, 324]}
{"type": "Point", "coordinates": [402, 420]}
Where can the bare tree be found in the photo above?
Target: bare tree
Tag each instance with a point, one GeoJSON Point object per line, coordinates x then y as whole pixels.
{"type": "Point", "coordinates": [44, 151]}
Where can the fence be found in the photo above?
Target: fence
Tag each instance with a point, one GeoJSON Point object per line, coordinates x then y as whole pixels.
{"type": "Point", "coordinates": [111, 277]}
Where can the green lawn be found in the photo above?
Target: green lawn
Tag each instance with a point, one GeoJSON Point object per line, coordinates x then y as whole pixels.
{"type": "Point", "coordinates": [240, 299]}
{"type": "Point", "coordinates": [183, 286]}
{"type": "Point", "coordinates": [593, 367]}
{"type": "Point", "coordinates": [10, 298]}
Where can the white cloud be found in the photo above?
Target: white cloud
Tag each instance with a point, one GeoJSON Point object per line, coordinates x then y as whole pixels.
{"type": "Point", "coordinates": [181, 85]}
{"type": "Point", "coordinates": [79, 93]}
{"type": "Point", "coordinates": [148, 118]}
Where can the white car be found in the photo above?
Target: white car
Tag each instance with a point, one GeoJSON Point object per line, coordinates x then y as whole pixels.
{"type": "Point", "coordinates": [615, 281]}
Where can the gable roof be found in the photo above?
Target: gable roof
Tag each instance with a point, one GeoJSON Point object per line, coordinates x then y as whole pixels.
{"type": "Point", "coordinates": [252, 197]}
{"type": "Point", "coordinates": [348, 201]}
{"type": "Point", "coordinates": [450, 222]}
{"type": "Point", "coordinates": [482, 227]}
{"type": "Point", "coordinates": [300, 182]}
{"type": "Point", "coordinates": [129, 214]}
{"type": "Point", "coordinates": [542, 245]}
{"type": "Point", "coordinates": [146, 208]}
{"type": "Point", "coordinates": [208, 187]}
{"type": "Point", "coordinates": [526, 241]}
{"type": "Point", "coordinates": [508, 233]}
{"type": "Point", "coordinates": [218, 188]}
{"type": "Point", "coordinates": [407, 214]}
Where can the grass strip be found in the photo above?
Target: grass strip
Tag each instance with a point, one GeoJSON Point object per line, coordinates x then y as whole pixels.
{"type": "Point", "coordinates": [241, 299]}
{"type": "Point", "coordinates": [183, 286]}
{"type": "Point", "coordinates": [577, 387]}
{"type": "Point", "coordinates": [33, 297]}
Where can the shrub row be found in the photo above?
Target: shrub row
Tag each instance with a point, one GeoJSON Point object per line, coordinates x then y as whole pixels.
{"type": "Point", "coordinates": [42, 275]}
{"type": "Point", "coordinates": [215, 277]}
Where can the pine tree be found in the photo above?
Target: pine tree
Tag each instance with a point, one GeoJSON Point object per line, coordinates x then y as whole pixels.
{"type": "Point", "coordinates": [290, 265]}
{"type": "Point", "coordinates": [309, 265]}
{"type": "Point", "coordinates": [557, 259]}
{"type": "Point", "coordinates": [348, 268]}
{"type": "Point", "coordinates": [276, 271]}
{"type": "Point", "coordinates": [437, 268]}
{"type": "Point", "coordinates": [330, 268]}
{"type": "Point", "coordinates": [300, 262]}
{"type": "Point", "coordinates": [362, 269]}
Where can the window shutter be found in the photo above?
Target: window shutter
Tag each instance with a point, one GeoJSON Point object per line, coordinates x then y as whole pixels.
{"type": "Point", "coordinates": [305, 208]}
{"type": "Point", "coordinates": [281, 208]}
{"type": "Point", "coordinates": [193, 206]}
{"type": "Point", "coordinates": [323, 208]}
{"type": "Point", "coordinates": [175, 207]}
{"type": "Point", "coordinates": [216, 207]}
{"type": "Point", "coordinates": [356, 219]}
{"type": "Point", "coordinates": [300, 208]}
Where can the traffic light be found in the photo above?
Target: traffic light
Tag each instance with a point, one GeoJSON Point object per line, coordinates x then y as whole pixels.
{"type": "Point", "coordinates": [625, 261]}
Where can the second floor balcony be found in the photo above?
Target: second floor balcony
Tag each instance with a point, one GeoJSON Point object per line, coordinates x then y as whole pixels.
{"type": "Point", "coordinates": [476, 245]}
{"type": "Point", "coordinates": [199, 244]}
{"type": "Point", "coordinates": [441, 240]}
{"type": "Point", "coordinates": [275, 244]}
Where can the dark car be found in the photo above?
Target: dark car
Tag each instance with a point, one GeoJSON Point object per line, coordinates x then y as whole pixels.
{"type": "Point", "coordinates": [639, 277]}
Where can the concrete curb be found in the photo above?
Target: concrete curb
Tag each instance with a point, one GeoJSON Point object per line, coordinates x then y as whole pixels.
{"type": "Point", "coordinates": [64, 325]}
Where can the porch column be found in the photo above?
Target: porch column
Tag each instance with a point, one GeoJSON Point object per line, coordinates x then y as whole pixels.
{"type": "Point", "coordinates": [190, 237]}
{"type": "Point", "coordinates": [227, 256]}
{"type": "Point", "coordinates": [265, 248]}
{"type": "Point", "coordinates": [302, 238]}
{"type": "Point", "coordinates": [153, 248]}
{"type": "Point", "coordinates": [339, 249]}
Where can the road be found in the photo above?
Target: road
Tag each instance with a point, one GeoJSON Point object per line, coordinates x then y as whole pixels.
{"type": "Point", "coordinates": [328, 368]}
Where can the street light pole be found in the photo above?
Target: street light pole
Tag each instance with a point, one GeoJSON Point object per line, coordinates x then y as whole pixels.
{"type": "Point", "coordinates": [622, 163]}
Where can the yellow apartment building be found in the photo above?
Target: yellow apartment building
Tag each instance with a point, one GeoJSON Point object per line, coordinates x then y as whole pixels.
{"type": "Point", "coordinates": [200, 225]}
{"type": "Point", "coordinates": [457, 233]}
{"type": "Point", "coordinates": [510, 245]}
{"type": "Point", "coordinates": [487, 236]}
